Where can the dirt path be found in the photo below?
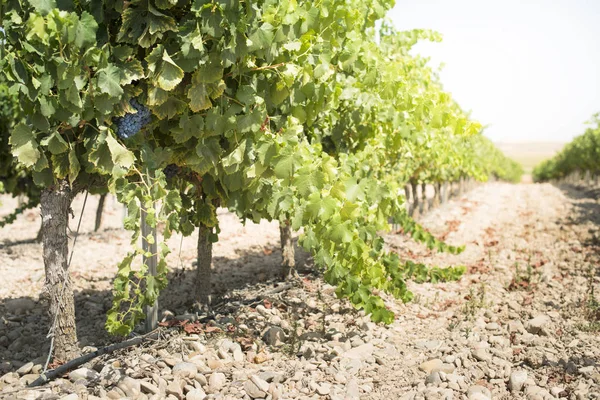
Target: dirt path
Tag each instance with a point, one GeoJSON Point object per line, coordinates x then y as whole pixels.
{"type": "Point", "coordinates": [520, 312]}
{"type": "Point", "coordinates": [519, 324]}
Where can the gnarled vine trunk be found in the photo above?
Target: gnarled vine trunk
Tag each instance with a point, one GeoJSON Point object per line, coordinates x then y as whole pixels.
{"type": "Point", "coordinates": [444, 192]}
{"type": "Point", "coordinates": [204, 267]}
{"type": "Point", "coordinates": [415, 205]}
{"type": "Point", "coordinates": [424, 201]}
{"type": "Point", "coordinates": [288, 261]}
{"type": "Point", "coordinates": [408, 195]}
{"type": "Point", "coordinates": [55, 205]}
{"type": "Point", "coordinates": [99, 212]}
{"type": "Point", "coordinates": [437, 189]}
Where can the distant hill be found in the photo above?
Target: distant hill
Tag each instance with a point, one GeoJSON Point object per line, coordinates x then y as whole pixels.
{"type": "Point", "coordinates": [529, 154]}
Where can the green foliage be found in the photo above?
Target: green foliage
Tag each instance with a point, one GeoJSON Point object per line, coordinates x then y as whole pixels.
{"type": "Point", "coordinates": [578, 157]}
{"type": "Point", "coordinates": [287, 110]}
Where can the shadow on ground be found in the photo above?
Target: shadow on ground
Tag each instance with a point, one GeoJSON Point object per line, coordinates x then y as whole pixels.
{"type": "Point", "coordinates": [587, 208]}
{"type": "Point", "coordinates": [24, 322]}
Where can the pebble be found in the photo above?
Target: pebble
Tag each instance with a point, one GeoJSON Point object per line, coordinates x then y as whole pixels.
{"type": "Point", "coordinates": [433, 378]}
{"type": "Point", "coordinates": [72, 396]}
{"type": "Point", "coordinates": [517, 380]}
{"type": "Point", "coordinates": [260, 383]}
{"type": "Point", "coordinates": [274, 336]}
{"type": "Point", "coordinates": [352, 390]}
{"type": "Point", "coordinates": [149, 388]}
{"type": "Point", "coordinates": [538, 325]}
{"type": "Point", "coordinates": [481, 355]}
{"type": "Point", "coordinates": [131, 387]}
{"type": "Point", "coordinates": [25, 368]}
{"type": "Point", "coordinates": [195, 394]}
{"type": "Point", "coordinates": [185, 370]}
{"type": "Point", "coordinates": [431, 365]}
{"type": "Point", "coordinates": [19, 306]}
{"type": "Point", "coordinates": [84, 373]}
{"type": "Point", "coordinates": [253, 390]}
{"type": "Point", "coordinates": [492, 326]}
{"type": "Point", "coordinates": [478, 392]}
{"type": "Point", "coordinates": [216, 382]}
{"type": "Point", "coordinates": [360, 352]}
{"type": "Point", "coordinates": [323, 389]}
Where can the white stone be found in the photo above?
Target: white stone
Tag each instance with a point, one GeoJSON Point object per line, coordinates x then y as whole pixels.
{"type": "Point", "coordinates": [517, 380]}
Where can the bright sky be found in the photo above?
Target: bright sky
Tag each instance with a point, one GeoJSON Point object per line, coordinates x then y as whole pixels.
{"type": "Point", "coordinates": [529, 69]}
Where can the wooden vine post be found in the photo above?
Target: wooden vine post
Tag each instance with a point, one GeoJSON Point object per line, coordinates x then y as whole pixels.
{"type": "Point", "coordinates": [151, 263]}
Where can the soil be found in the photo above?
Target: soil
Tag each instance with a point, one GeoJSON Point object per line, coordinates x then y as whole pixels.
{"type": "Point", "coordinates": [525, 305]}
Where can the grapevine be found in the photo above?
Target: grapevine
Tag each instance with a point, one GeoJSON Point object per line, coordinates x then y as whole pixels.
{"type": "Point", "coordinates": [578, 158]}
{"type": "Point", "coordinates": [288, 111]}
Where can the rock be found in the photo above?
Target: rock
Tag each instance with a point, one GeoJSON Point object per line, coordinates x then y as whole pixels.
{"type": "Point", "coordinates": [323, 389]}
{"type": "Point", "coordinates": [260, 357]}
{"type": "Point", "coordinates": [214, 364]}
{"type": "Point", "coordinates": [253, 391]}
{"type": "Point", "coordinates": [478, 393]}
{"type": "Point", "coordinates": [274, 336]}
{"type": "Point", "coordinates": [185, 370]}
{"type": "Point", "coordinates": [216, 382]}
{"type": "Point", "coordinates": [515, 326]}
{"type": "Point", "coordinates": [517, 380]}
{"type": "Point", "coordinates": [72, 396]}
{"type": "Point", "coordinates": [238, 354]}
{"type": "Point", "coordinates": [478, 396]}
{"type": "Point", "coordinates": [538, 325]}
{"type": "Point", "coordinates": [201, 379]}
{"type": "Point", "coordinates": [131, 387]}
{"type": "Point", "coordinates": [481, 355]}
{"type": "Point", "coordinates": [83, 373]}
{"type": "Point", "coordinates": [428, 344]}
{"type": "Point", "coordinates": [270, 376]}
{"type": "Point", "coordinates": [492, 326]}
{"type": "Point", "coordinates": [195, 394]}
{"type": "Point", "coordinates": [431, 365]}
{"type": "Point", "coordinates": [149, 388]}
{"type": "Point", "coordinates": [311, 336]}
{"type": "Point", "coordinates": [433, 378]}
{"type": "Point", "coordinates": [19, 306]}
{"type": "Point", "coordinates": [352, 390]}
{"type": "Point", "coordinates": [532, 390]}
{"type": "Point", "coordinates": [359, 353]}
{"type": "Point", "coordinates": [446, 368]}
{"type": "Point", "coordinates": [25, 368]}
{"type": "Point", "coordinates": [28, 378]}
{"type": "Point", "coordinates": [9, 377]}
{"type": "Point", "coordinates": [260, 383]}
{"type": "Point", "coordinates": [174, 388]}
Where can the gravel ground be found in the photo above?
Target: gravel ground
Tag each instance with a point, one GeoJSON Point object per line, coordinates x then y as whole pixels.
{"type": "Point", "coordinates": [520, 324]}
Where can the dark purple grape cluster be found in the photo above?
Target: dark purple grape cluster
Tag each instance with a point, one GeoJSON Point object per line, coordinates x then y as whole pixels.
{"type": "Point", "coordinates": [131, 123]}
{"type": "Point", "coordinates": [171, 171]}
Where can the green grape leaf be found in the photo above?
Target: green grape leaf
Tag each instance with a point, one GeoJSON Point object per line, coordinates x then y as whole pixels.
{"type": "Point", "coordinates": [24, 145]}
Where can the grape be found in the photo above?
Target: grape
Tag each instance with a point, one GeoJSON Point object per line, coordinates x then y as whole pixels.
{"type": "Point", "coordinates": [170, 171]}
{"type": "Point", "coordinates": [131, 123]}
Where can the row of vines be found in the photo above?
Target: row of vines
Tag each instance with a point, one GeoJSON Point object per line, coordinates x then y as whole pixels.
{"type": "Point", "coordinates": [578, 160]}
{"type": "Point", "coordinates": [312, 113]}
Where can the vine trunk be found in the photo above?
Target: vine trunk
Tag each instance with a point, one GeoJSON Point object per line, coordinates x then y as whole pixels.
{"type": "Point", "coordinates": [204, 267]}
{"type": "Point", "coordinates": [55, 207]}
{"type": "Point", "coordinates": [288, 262]}
{"type": "Point", "coordinates": [99, 212]}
